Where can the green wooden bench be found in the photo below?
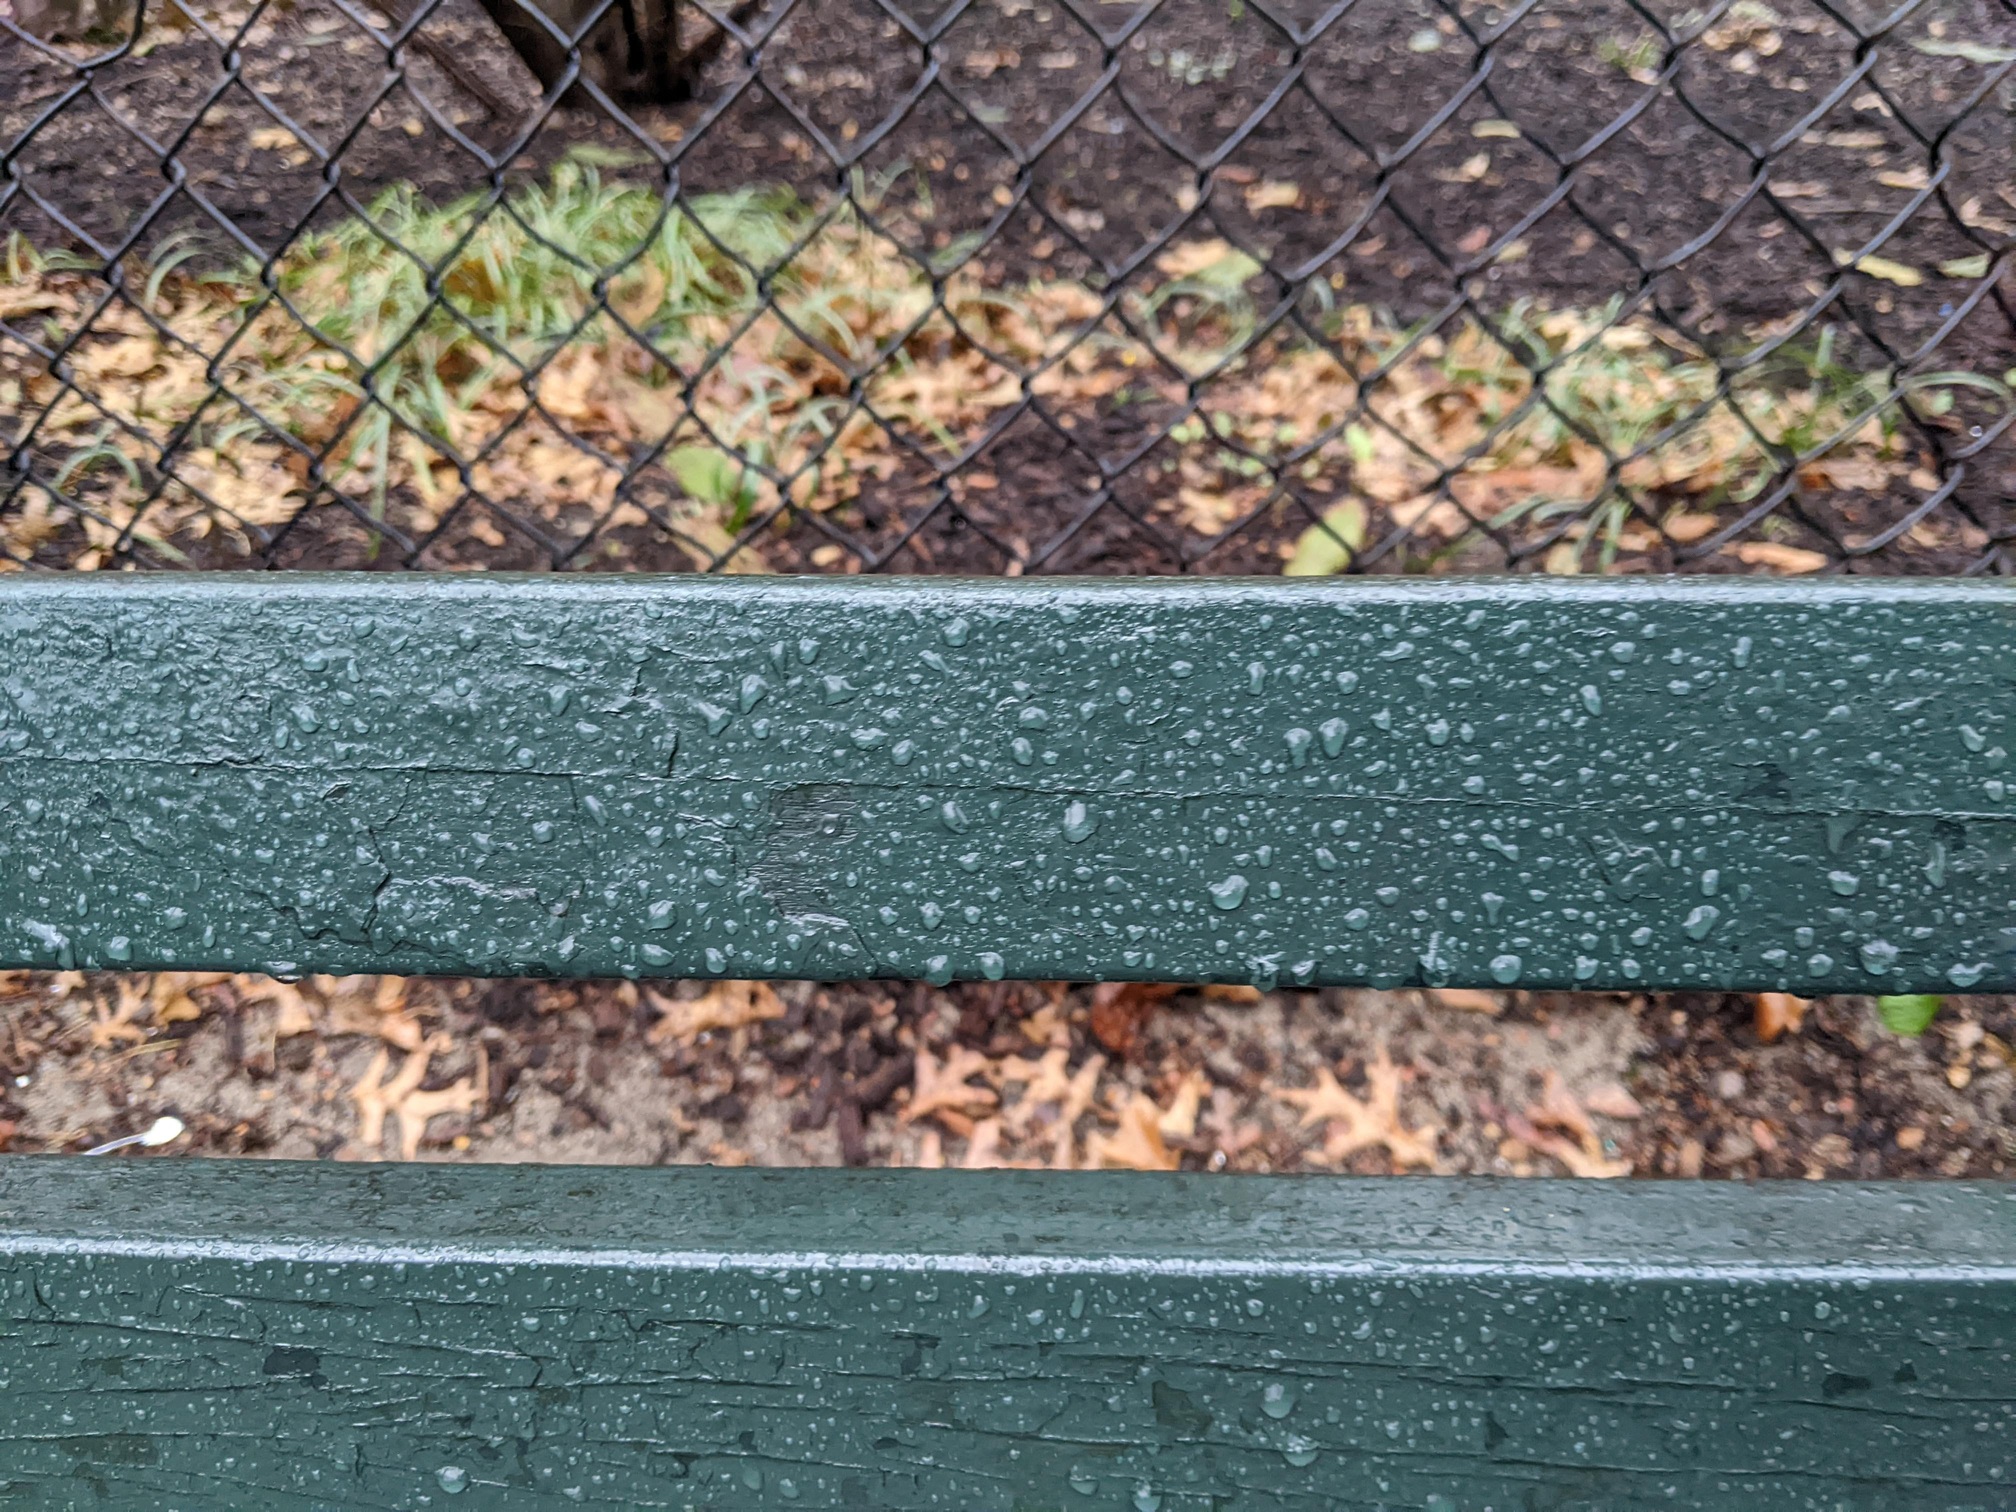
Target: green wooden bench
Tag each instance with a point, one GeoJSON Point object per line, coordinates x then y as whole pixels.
{"type": "Point", "coordinates": [1548, 784]}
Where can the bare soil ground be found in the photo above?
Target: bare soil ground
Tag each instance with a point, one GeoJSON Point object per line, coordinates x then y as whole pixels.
{"type": "Point", "coordinates": [902, 1073]}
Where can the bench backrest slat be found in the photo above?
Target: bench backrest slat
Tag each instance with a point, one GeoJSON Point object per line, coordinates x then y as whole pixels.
{"type": "Point", "coordinates": [1611, 784]}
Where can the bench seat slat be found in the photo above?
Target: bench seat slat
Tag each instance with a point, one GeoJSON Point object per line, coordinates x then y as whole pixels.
{"type": "Point", "coordinates": [204, 1334]}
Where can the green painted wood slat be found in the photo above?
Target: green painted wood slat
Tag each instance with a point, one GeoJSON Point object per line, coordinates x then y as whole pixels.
{"type": "Point", "coordinates": [302, 1338]}
{"type": "Point", "coordinates": [1544, 783]}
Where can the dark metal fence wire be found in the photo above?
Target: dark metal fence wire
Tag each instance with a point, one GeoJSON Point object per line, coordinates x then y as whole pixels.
{"type": "Point", "coordinates": [1012, 285]}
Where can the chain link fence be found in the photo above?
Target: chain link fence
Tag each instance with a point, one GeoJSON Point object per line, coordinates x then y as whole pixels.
{"type": "Point", "coordinates": [1009, 285]}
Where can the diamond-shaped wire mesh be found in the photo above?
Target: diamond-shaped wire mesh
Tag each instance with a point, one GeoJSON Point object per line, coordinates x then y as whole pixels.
{"type": "Point", "coordinates": [1008, 285]}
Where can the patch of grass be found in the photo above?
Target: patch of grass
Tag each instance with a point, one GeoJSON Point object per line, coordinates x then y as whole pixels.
{"type": "Point", "coordinates": [737, 352]}
{"type": "Point", "coordinates": [1633, 55]}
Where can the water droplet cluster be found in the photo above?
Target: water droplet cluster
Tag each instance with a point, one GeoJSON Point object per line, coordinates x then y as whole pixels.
{"type": "Point", "coordinates": [1601, 785]}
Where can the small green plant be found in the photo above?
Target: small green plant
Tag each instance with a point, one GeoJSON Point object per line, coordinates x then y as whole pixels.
{"type": "Point", "coordinates": [1634, 56]}
{"type": "Point", "coordinates": [1909, 1015]}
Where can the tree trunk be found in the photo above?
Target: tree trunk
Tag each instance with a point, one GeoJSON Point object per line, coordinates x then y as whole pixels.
{"type": "Point", "coordinates": [632, 53]}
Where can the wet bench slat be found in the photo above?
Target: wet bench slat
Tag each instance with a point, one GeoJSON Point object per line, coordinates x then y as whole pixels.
{"type": "Point", "coordinates": [210, 1334]}
{"type": "Point", "coordinates": [1605, 784]}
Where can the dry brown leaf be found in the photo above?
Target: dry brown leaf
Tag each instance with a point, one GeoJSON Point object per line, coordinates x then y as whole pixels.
{"type": "Point", "coordinates": [1612, 1101]}
{"type": "Point", "coordinates": [1187, 259]}
{"type": "Point", "coordinates": [376, 1097]}
{"type": "Point", "coordinates": [356, 1005]}
{"type": "Point", "coordinates": [1907, 178]}
{"type": "Point", "coordinates": [1273, 194]}
{"type": "Point", "coordinates": [1121, 1009]}
{"type": "Point", "coordinates": [983, 1147]}
{"type": "Point", "coordinates": [465, 1095]}
{"type": "Point", "coordinates": [1846, 471]}
{"type": "Point", "coordinates": [1558, 1108]}
{"type": "Point", "coordinates": [1790, 559]}
{"type": "Point", "coordinates": [129, 358]}
{"type": "Point", "coordinates": [180, 1009]}
{"type": "Point", "coordinates": [400, 1096]}
{"type": "Point", "coordinates": [724, 1005]}
{"type": "Point", "coordinates": [1469, 171]}
{"type": "Point", "coordinates": [1048, 1025]}
{"type": "Point", "coordinates": [1371, 1124]}
{"type": "Point", "coordinates": [1776, 1013]}
{"type": "Point", "coordinates": [1466, 999]}
{"type": "Point", "coordinates": [943, 1089]}
{"type": "Point", "coordinates": [1585, 1160]}
{"type": "Point", "coordinates": [1137, 1144]}
{"type": "Point", "coordinates": [294, 1017]}
{"type": "Point", "coordinates": [1179, 1120]}
{"type": "Point", "coordinates": [114, 1025]}
{"type": "Point", "coordinates": [1049, 1082]}
{"type": "Point", "coordinates": [1687, 528]}
{"type": "Point", "coordinates": [985, 63]}
{"type": "Point", "coordinates": [1230, 992]}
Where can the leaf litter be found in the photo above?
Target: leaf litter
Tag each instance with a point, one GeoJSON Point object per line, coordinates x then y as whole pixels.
{"type": "Point", "coordinates": [521, 391]}
{"type": "Point", "coordinates": [1003, 1074]}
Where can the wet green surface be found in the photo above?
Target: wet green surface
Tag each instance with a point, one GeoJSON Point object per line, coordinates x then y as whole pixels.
{"type": "Point", "coordinates": [1520, 782]}
{"type": "Point", "coordinates": [203, 1335]}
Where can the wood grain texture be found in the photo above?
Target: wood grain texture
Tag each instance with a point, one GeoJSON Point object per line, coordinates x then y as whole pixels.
{"type": "Point", "coordinates": [213, 1334]}
{"type": "Point", "coordinates": [1542, 783]}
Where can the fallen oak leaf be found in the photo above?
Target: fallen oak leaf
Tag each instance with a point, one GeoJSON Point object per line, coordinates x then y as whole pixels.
{"type": "Point", "coordinates": [724, 1005]}
{"type": "Point", "coordinates": [357, 1005]}
{"type": "Point", "coordinates": [400, 1096]}
{"type": "Point", "coordinates": [1576, 1159]}
{"type": "Point", "coordinates": [293, 1017]}
{"type": "Point", "coordinates": [1047, 1082]}
{"type": "Point", "coordinates": [464, 1095]}
{"type": "Point", "coordinates": [942, 1089]}
{"type": "Point", "coordinates": [376, 1097]}
{"type": "Point", "coordinates": [170, 993]}
{"type": "Point", "coordinates": [162, 996]}
{"type": "Point", "coordinates": [1371, 1124]}
{"type": "Point", "coordinates": [113, 1025]}
{"type": "Point", "coordinates": [1137, 1144]}
{"type": "Point", "coordinates": [1238, 993]}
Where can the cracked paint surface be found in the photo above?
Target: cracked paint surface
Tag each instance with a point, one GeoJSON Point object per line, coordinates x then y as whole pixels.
{"type": "Point", "coordinates": [1551, 784]}
{"type": "Point", "coordinates": [304, 1337]}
